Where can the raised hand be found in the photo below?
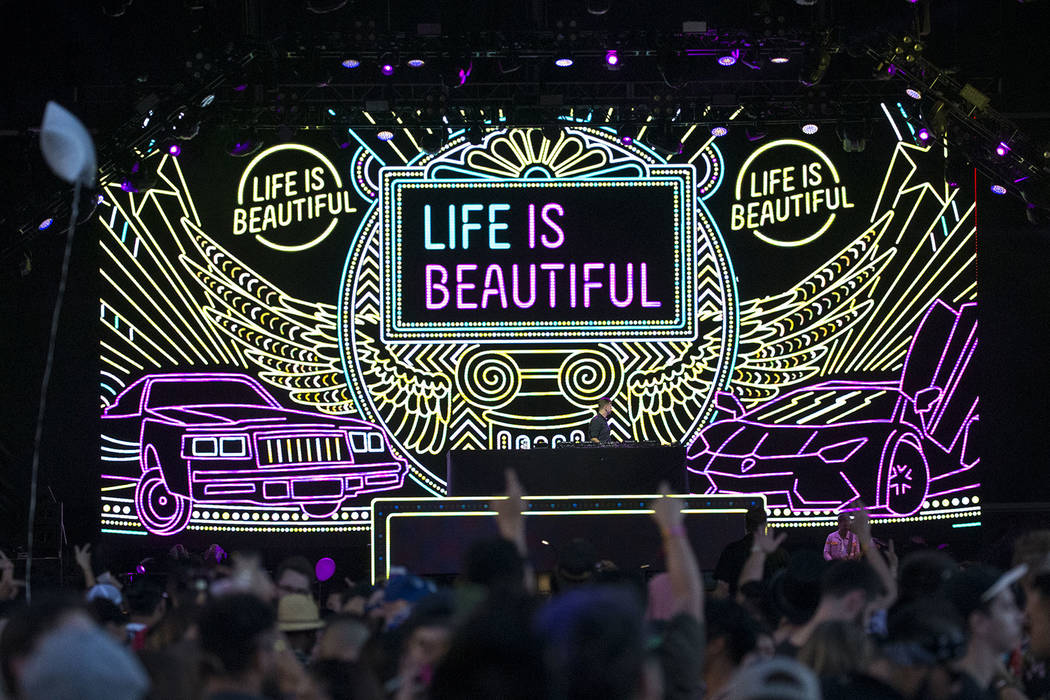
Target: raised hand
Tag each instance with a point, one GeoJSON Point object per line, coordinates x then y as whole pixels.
{"type": "Point", "coordinates": [667, 512]}
{"type": "Point", "coordinates": [82, 555]}
{"type": "Point", "coordinates": [768, 541]}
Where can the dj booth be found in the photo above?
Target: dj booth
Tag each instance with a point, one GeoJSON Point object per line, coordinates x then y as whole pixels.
{"type": "Point", "coordinates": [570, 469]}
{"type": "Point", "coordinates": [603, 494]}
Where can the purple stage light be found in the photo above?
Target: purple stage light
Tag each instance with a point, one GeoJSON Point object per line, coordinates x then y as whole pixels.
{"type": "Point", "coordinates": [924, 134]}
{"type": "Point", "coordinates": [913, 93]}
{"type": "Point", "coordinates": [810, 128]}
{"type": "Point", "coordinates": [998, 189]}
{"type": "Point", "coordinates": [779, 59]}
{"type": "Point", "coordinates": [719, 131]}
{"type": "Point", "coordinates": [351, 63]}
{"type": "Point", "coordinates": [46, 224]}
{"type": "Point", "coordinates": [241, 88]}
{"type": "Point", "coordinates": [1002, 149]}
{"type": "Point", "coordinates": [385, 135]}
{"type": "Point", "coordinates": [563, 62]}
{"type": "Point", "coordinates": [416, 62]}
{"type": "Point", "coordinates": [387, 69]}
{"type": "Point", "coordinates": [127, 186]}
{"type": "Point", "coordinates": [728, 59]}
{"type": "Point", "coordinates": [174, 150]}
{"type": "Point", "coordinates": [612, 58]}
{"type": "Point", "coordinates": [626, 140]}
{"type": "Point", "coordinates": [324, 569]}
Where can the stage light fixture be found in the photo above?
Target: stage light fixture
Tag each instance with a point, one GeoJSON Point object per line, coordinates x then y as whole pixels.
{"type": "Point", "coordinates": [387, 63]}
{"type": "Point", "coordinates": [998, 189]}
{"type": "Point", "coordinates": [185, 126]}
{"type": "Point", "coordinates": [415, 63]}
{"type": "Point", "coordinates": [854, 137]}
{"type": "Point", "coordinates": [385, 135]}
{"type": "Point", "coordinates": [207, 100]}
{"type": "Point", "coordinates": [597, 7]}
{"type": "Point", "coordinates": [175, 150]}
{"type": "Point", "coordinates": [627, 133]}
{"type": "Point", "coordinates": [244, 145]}
{"type": "Point", "coordinates": [138, 178]}
{"type": "Point", "coordinates": [351, 62]}
{"type": "Point", "coordinates": [923, 134]}
{"type": "Point", "coordinates": [341, 137]}
{"type": "Point", "coordinates": [612, 59]}
{"type": "Point", "coordinates": [323, 7]}
{"type": "Point", "coordinates": [1002, 149]}
{"type": "Point", "coordinates": [779, 59]}
{"type": "Point", "coordinates": [719, 130]}
{"type": "Point", "coordinates": [729, 59]}
{"type": "Point", "coordinates": [913, 93]}
{"type": "Point", "coordinates": [46, 224]}
{"type": "Point", "coordinates": [664, 140]}
{"type": "Point", "coordinates": [815, 62]}
{"type": "Point", "coordinates": [754, 134]}
{"type": "Point", "coordinates": [810, 128]}
{"type": "Point", "coordinates": [563, 61]}
{"type": "Point", "coordinates": [432, 141]}
{"type": "Point", "coordinates": [476, 134]}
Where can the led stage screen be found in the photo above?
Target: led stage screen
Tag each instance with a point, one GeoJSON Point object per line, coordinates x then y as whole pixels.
{"type": "Point", "coordinates": [286, 336]}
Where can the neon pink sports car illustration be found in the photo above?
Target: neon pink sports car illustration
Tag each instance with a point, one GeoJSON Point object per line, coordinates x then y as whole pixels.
{"type": "Point", "coordinates": [221, 438]}
{"type": "Point", "coordinates": [893, 443]}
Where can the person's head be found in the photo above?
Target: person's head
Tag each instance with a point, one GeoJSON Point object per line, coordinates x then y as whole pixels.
{"type": "Point", "coordinates": [238, 631]}
{"type": "Point", "coordinates": [837, 648]}
{"type": "Point", "coordinates": [779, 678]}
{"type": "Point", "coordinates": [109, 617]}
{"type": "Point", "coordinates": [345, 680]}
{"type": "Point", "coordinates": [294, 575]}
{"type": "Point", "coordinates": [846, 588]}
{"type": "Point", "coordinates": [985, 600]}
{"type": "Point", "coordinates": [427, 632]}
{"type": "Point", "coordinates": [576, 564]}
{"type": "Point", "coordinates": [605, 406]}
{"type": "Point", "coordinates": [731, 633]}
{"type": "Point", "coordinates": [299, 619]}
{"type": "Point", "coordinates": [485, 661]}
{"type": "Point", "coordinates": [335, 596]}
{"type": "Point", "coordinates": [796, 589]}
{"type": "Point", "coordinates": [844, 522]}
{"type": "Point", "coordinates": [145, 600]}
{"type": "Point", "coordinates": [594, 644]}
{"type": "Point", "coordinates": [755, 518]}
{"type": "Point", "coordinates": [343, 638]}
{"type": "Point", "coordinates": [1037, 614]}
{"type": "Point", "coordinates": [26, 627]}
{"type": "Point", "coordinates": [923, 574]}
{"type": "Point", "coordinates": [924, 639]}
{"type": "Point", "coordinates": [1033, 550]}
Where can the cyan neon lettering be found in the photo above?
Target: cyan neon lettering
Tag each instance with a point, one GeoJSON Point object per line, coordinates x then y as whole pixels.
{"type": "Point", "coordinates": [428, 243]}
{"type": "Point", "coordinates": [495, 226]}
{"type": "Point", "coordinates": [469, 226]}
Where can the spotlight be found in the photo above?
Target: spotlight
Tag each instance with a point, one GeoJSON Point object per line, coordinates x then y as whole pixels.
{"type": "Point", "coordinates": [815, 62]}
{"type": "Point", "coordinates": [385, 135]}
{"type": "Point", "coordinates": [387, 63]}
{"type": "Point", "coordinates": [913, 93]}
{"type": "Point", "coordinates": [998, 189]}
{"type": "Point", "coordinates": [779, 59]}
{"type": "Point", "coordinates": [175, 150]}
{"type": "Point", "coordinates": [433, 141]}
{"type": "Point", "coordinates": [138, 178]}
{"type": "Point", "coordinates": [351, 62]}
{"type": "Point", "coordinates": [627, 133]}
{"type": "Point", "coordinates": [664, 140]}
{"type": "Point", "coordinates": [509, 63]}
{"type": "Point", "coordinates": [563, 61]}
{"type": "Point", "coordinates": [184, 126]}
{"type": "Point", "coordinates": [45, 224]}
{"type": "Point", "coordinates": [415, 62]}
{"type": "Point", "coordinates": [244, 145]}
{"type": "Point", "coordinates": [1002, 149]}
{"type": "Point", "coordinates": [754, 134]}
{"type": "Point", "coordinates": [729, 59]}
{"type": "Point", "coordinates": [612, 59]}
{"type": "Point", "coordinates": [719, 130]}
{"type": "Point", "coordinates": [207, 100]}
{"type": "Point", "coordinates": [923, 134]}
{"type": "Point", "coordinates": [809, 128]}
{"type": "Point", "coordinates": [341, 137]}
{"type": "Point", "coordinates": [597, 7]}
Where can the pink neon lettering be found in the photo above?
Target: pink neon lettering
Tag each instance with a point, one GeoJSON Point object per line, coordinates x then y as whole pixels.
{"type": "Point", "coordinates": [644, 296]}
{"type": "Point", "coordinates": [553, 206]}
{"type": "Point", "coordinates": [461, 286]}
{"type": "Point", "coordinates": [532, 225]}
{"type": "Point", "coordinates": [440, 286]}
{"type": "Point", "coordinates": [587, 284]}
{"type": "Point", "coordinates": [572, 285]}
{"type": "Point", "coordinates": [499, 290]}
{"type": "Point", "coordinates": [630, 286]}
{"type": "Point", "coordinates": [552, 268]}
{"type": "Point", "coordinates": [514, 287]}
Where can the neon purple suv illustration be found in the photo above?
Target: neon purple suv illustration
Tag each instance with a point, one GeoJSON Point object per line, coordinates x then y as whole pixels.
{"type": "Point", "coordinates": [892, 444]}
{"type": "Point", "coordinates": [221, 438]}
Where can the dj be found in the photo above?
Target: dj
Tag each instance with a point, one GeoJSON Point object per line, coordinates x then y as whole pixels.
{"type": "Point", "coordinates": [598, 430]}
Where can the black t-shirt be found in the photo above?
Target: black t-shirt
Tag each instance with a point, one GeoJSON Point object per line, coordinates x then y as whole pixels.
{"type": "Point", "coordinates": [599, 428]}
{"type": "Point", "coordinates": [731, 561]}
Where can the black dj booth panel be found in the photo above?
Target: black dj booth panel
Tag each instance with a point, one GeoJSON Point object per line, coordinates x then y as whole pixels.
{"type": "Point", "coordinates": [569, 471]}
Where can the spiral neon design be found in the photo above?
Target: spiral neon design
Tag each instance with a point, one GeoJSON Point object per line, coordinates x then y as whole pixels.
{"type": "Point", "coordinates": [588, 375]}
{"type": "Point", "coordinates": [489, 379]}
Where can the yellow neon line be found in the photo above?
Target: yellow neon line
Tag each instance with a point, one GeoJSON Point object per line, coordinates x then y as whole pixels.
{"type": "Point", "coordinates": [296, 248]}
{"type": "Point", "coordinates": [138, 331]}
{"type": "Point", "coordinates": [129, 485]}
{"type": "Point", "coordinates": [109, 361]}
{"type": "Point", "coordinates": [162, 295]}
{"type": "Point", "coordinates": [795, 244]}
{"type": "Point", "coordinates": [125, 357]}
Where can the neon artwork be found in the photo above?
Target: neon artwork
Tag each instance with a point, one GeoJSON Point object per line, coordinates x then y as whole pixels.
{"type": "Point", "coordinates": [221, 439]}
{"type": "Point", "coordinates": [519, 327]}
{"type": "Point", "coordinates": [812, 448]}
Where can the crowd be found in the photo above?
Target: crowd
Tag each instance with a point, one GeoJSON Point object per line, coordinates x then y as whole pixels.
{"type": "Point", "coordinates": [799, 626]}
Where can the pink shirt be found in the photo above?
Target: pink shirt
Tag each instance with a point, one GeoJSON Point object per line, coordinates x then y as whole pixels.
{"type": "Point", "coordinates": [838, 547]}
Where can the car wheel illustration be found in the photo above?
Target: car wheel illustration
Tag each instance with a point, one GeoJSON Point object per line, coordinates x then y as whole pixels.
{"type": "Point", "coordinates": [321, 510]}
{"type": "Point", "coordinates": [160, 510]}
{"type": "Point", "coordinates": [904, 475]}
